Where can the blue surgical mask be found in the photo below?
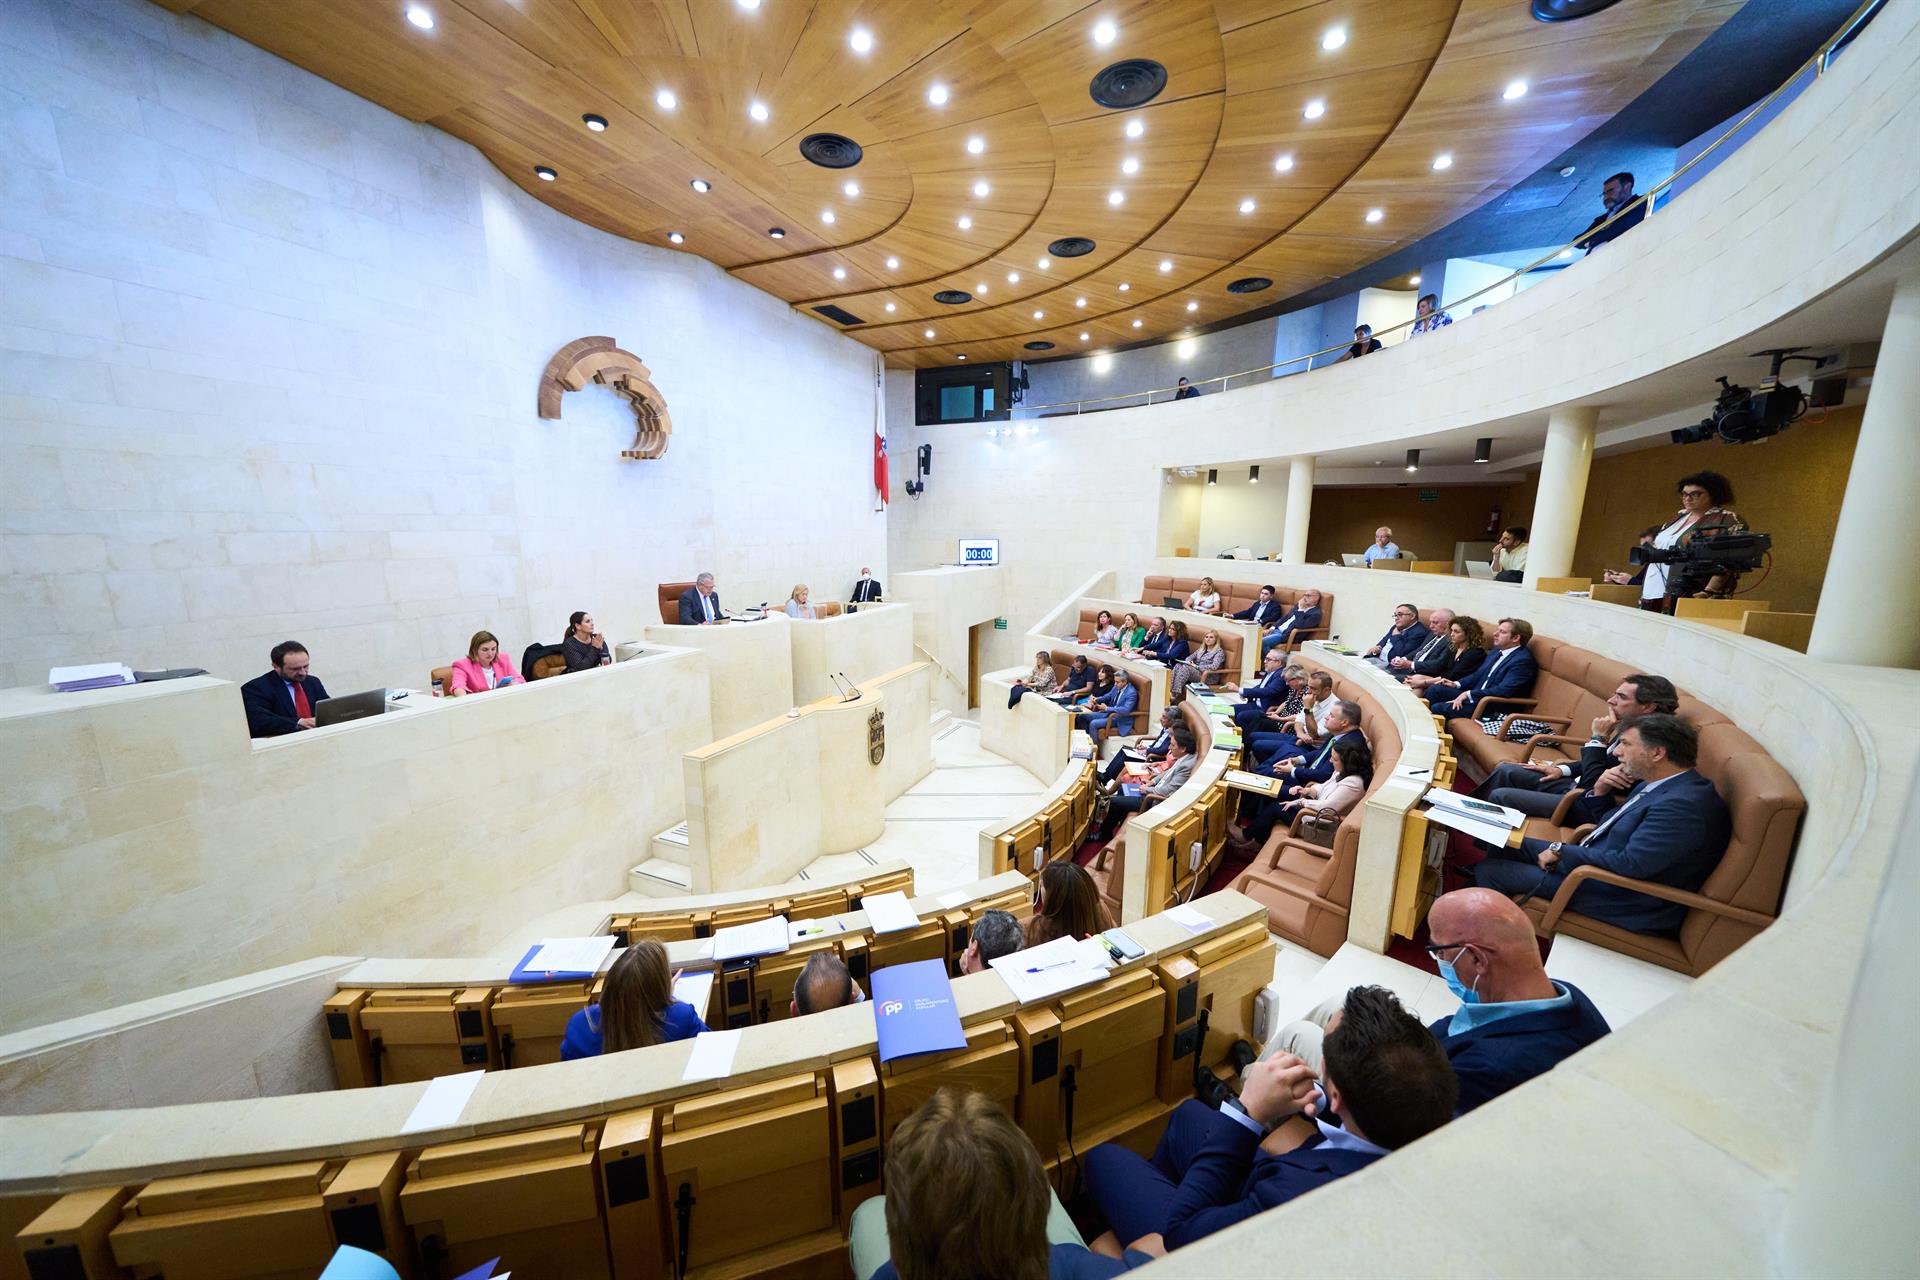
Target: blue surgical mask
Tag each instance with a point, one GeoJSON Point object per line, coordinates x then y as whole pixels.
{"type": "Point", "coordinates": [1467, 994]}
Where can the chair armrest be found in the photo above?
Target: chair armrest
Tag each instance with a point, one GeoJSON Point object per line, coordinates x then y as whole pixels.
{"type": "Point", "coordinates": [1300, 636]}
{"type": "Point", "coordinates": [1560, 738]}
{"type": "Point", "coordinates": [1518, 704]}
{"type": "Point", "coordinates": [1270, 855]}
{"type": "Point", "coordinates": [1564, 809]}
{"type": "Point", "coordinates": [1213, 677]}
{"type": "Point", "coordinates": [1692, 901]}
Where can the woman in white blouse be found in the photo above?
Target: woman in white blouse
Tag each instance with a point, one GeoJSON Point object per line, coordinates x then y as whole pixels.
{"type": "Point", "coordinates": [1105, 634]}
{"type": "Point", "coordinates": [1352, 775]}
{"type": "Point", "coordinates": [1205, 597]}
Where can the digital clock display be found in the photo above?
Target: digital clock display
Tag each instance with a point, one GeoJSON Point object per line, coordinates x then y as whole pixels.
{"type": "Point", "coordinates": [979, 551]}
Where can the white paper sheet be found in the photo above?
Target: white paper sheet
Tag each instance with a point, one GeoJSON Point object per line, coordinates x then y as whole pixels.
{"type": "Point", "coordinates": [571, 955]}
{"type": "Point", "coordinates": [889, 912]}
{"type": "Point", "coordinates": [1454, 802]}
{"type": "Point", "coordinates": [761, 938]}
{"type": "Point", "coordinates": [1191, 918]}
{"type": "Point", "coordinates": [712, 1057]}
{"type": "Point", "coordinates": [1046, 970]}
{"type": "Point", "coordinates": [1492, 833]}
{"type": "Point", "coordinates": [954, 898]}
{"type": "Point", "coordinates": [440, 1106]}
{"type": "Point", "coordinates": [695, 989]}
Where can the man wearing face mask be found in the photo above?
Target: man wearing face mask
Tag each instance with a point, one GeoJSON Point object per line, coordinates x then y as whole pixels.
{"type": "Point", "coordinates": [867, 590]}
{"type": "Point", "coordinates": [1514, 1022]}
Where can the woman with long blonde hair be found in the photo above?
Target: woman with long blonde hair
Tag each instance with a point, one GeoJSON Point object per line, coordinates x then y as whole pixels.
{"type": "Point", "coordinates": [635, 1009]}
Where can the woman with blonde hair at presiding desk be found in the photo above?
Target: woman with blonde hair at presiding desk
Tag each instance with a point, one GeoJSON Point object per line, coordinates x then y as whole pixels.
{"type": "Point", "coordinates": [797, 606]}
{"type": "Point", "coordinates": [636, 1009]}
{"type": "Point", "coordinates": [484, 667]}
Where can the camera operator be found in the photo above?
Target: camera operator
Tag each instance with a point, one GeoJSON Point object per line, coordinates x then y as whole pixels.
{"type": "Point", "coordinates": [1704, 514]}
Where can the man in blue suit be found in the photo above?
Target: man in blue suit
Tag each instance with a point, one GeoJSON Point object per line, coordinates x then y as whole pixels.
{"type": "Point", "coordinates": [1268, 691]}
{"type": "Point", "coordinates": [1263, 611]}
{"type": "Point", "coordinates": [700, 603]}
{"type": "Point", "coordinates": [1403, 638]}
{"type": "Point", "coordinates": [282, 700]}
{"type": "Point", "coordinates": [1385, 1081]}
{"type": "Point", "coordinates": [1508, 672]}
{"type": "Point", "coordinates": [1116, 709]}
{"type": "Point", "coordinates": [1304, 617]}
{"type": "Point", "coordinates": [1672, 829]}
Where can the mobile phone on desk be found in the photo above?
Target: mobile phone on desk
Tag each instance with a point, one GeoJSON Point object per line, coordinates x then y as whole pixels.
{"type": "Point", "coordinates": [1120, 946]}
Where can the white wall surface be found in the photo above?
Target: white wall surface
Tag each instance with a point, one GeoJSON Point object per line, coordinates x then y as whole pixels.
{"type": "Point", "coordinates": [1236, 513]}
{"type": "Point", "coordinates": [268, 358]}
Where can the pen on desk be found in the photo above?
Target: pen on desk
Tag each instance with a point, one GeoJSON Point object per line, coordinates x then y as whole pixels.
{"type": "Point", "coordinates": [1057, 964]}
{"type": "Point", "coordinates": [1414, 773]}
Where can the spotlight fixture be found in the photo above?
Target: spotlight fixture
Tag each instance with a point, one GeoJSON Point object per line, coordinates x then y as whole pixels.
{"type": "Point", "coordinates": [1102, 362]}
{"type": "Point", "coordinates": [861, 39]}
{"type": "Point", "coordinates": [1104, 33]}
{"type": "Point", "coordinates": [839, 273]}
{"type": "Point", "coordinates": [1124, 286]}
{"type": "Point", "coordinates": [1116, 198]}
{"type": "Point", "coordinates": [1283, 163]}
{"type": "Point", "coordinates": [1193, 306]}
{"type": "Point", "coordinates": [1413, 279]}
{"type": "Point", "coordinates": [701, 185]}
{"type": "Point", "coordinates": [961, 356]}
{"type": "Point", "coordinates": [976, 145]}
{"type": "Point", "coordinates": [1213, 475]}
{"type": "Point", "coordinates": [777, 233]}
{"type": "Point", "coordinates": [758, 110]}
{"type": "Point", "coordinates": [749, 4]}
{"type": "Point", "coordinates": [666, 100]}
{"type": "Point", "coordinates": [937, 95]}
{"type": "Point", "coordinates": [1136, 324]}
{"type": "Point", "coordinates": [1334, 38]}
{"type": "Point", "coordinates": [893, 264]}
{"type": "Point", "coordinates": [676, 237]}
{"type": "Point", "coordinates": [1135, 128]}
{"type": "Point", "coordinates": [1246, 206]}
{"type": "Point", "coordinates": [1185, 348]}
{"type": "Point", "coordinates": [981, 287]}
{"type": "Point", "coordinates": [1084, 337]}
{"type": "Point", "coordinates": [1483, 449]}
{"type": "Point", "coordinates": [1079, 302]}
{"type": "Point", "coordinates": [1315, 109]}
{"type": "Point", "coordinates": [546, 173]}
{"type": "Point", "coordinates": [1569, 171]}
{"type": "Point", "coordinates": [826, 216]}
{"type": "Point", "coordinates": [929, 333]}
{"type": "Point", "coordinates": [1375, 215]}
{"type": "Point", "coordinates": [596, 123]}
{"type": "Point", "coordinates": [890, 307]}
{"type": "Point", "coordinates": [1166, 265]}
{"type": "Point", "coordinates": [1413, 459]}
{"type": "Point", "coordinates": [1253, 474]}
{"type": "Point", "coordinates": [420, 16]}
{"type": "Point", "coordinates": [965, 223]}
{"type": "Point", "coordinates": [1443, 161]}
{"type": "Point", "coordinates": [1039, 315]}
{"type": "Point", "coordinates": [1515, 91]}
{"type": "Point", "coordinates": [852, 189]}
{"type": "Point", "coordinates": [980, 189]}
{"type": "Point", "coordinates": [1130, 165]}
{"type": "Point", "coordinates": [1013, 277]}
{"type": "Point", "coordinates": [1044, 263]}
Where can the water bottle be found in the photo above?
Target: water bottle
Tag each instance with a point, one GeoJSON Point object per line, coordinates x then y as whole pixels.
{"type": "Point", "coordinates": [606, 659]}
{"type": "Point", "coordinates": [438, 688]}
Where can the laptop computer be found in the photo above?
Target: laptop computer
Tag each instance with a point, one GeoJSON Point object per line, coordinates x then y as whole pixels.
{"type": "Point", "coordinates": [1479, 568]}
{"type": "Point", "coordinates": [352, 706]}
{"type": "Point", "coordinates": [1173, 602]}
{"type": "Point", "coordinates": [1353, 559]}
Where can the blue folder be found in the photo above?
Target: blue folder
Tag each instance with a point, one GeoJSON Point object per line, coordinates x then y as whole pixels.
{"type": "Point", "coordinates": [913, 1010]}
{"type": "Point", "coordinates": [523, 974]}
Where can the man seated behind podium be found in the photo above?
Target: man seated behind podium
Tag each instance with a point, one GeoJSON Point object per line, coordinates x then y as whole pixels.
{"type": "Point", "coordinates": [281, 701]}
{"type": "Point", "coordinates": [1385, 1081]}
{"type": "Point", "coordinates": [996, 933]}
{"type": "Point", "coordinates": [700, 603]}
{"type": "Point", "coordinates": [867, 590]}
{"type": "Point", "coordinates": [1672, 829]}
{"type": "Point", "coordinates": [825, 983]}
{"type": "Point", "coordinates": [967, 1199]}
{"type": "Point", "coordinates": [636, 1009]}
{"type": "Point", "coordinates": [1508, 672]}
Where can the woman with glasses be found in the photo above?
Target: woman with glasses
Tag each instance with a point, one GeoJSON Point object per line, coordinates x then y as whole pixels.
{"type": "Point", "coordinates": [1706, 499]}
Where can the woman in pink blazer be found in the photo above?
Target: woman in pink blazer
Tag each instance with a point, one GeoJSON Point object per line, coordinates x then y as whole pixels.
{"type": "Point", "coordinates": [484, 667]}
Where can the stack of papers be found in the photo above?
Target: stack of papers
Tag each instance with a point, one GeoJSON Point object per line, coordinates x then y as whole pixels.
{"type": "Point", "coordinates": [99, 675]}
{"type": "Point", "coordinates": [761, 938]}
{"type": "Point", "coordinates": [1082, 745]}
{"type": "Point", "coordinates": [1191, 918]}
{"type": "Point", "coordinates": [1260, 783]}
{"type": "Point", "coordinates": [1490, 823]}
{"type": "Point", "coordinates": [561, 958]}
{"type": "Point", "coordinates": [1046, 970]}
{"type": "Point", "coordinates": [695, 989]}
{"type": "Point", "coordinates": [889, 912]}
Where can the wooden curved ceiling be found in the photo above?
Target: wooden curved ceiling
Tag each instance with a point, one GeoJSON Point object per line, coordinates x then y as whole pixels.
{"type": "Point", "coordinates": [1414, 79]}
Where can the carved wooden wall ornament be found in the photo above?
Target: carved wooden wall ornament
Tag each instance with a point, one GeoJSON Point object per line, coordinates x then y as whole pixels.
{"type": "Point", "coordinates": [587, 360]}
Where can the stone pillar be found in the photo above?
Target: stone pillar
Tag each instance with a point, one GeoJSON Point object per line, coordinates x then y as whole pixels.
{"type": "Point", "coordinates": [1293, 541]}
{"type": "Point", "coordinates": [1869, 600]}
{"type": "Point", "coordinates": [1563, 491]}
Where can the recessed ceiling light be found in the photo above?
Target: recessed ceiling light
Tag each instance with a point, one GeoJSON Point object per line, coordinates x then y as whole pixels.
{"type": "Point", "coordinates": [981, 287]}
{"type": "Point", "coordinates": [861, 39]}
{"type": "Point", "coordinates": [1335, 37]}
{"type": "Point", "coordinates": [1045, 263]}
{"type": "Point", "coordinates": [1079, 302]}
{"type": "Point", "coordinates": [961, 356]}
{"type": "Point", "coordinates": [1124, 286]}
{"type": "Point", "coordinates": [890, 306]}
{"type": "Point", "coordinates": [1374, 215]}
{"type": "Point", "coordinates": [1135, 128]}
{"type": "Point", "coordinates": [1413, 279]}
{"type": "Point", "coordinates": [965, 223]}
{"type": "Point", "coordinates": [420, 16]}
{"type": "Point", "coordinates": [981, 188]}
{"type": "Point", "coordinates": [1013, 277]}
{"type": "Point", "coordinates": [1246, 206]}
{"type": "Point", "coordinates": [1136, 324]}
{"type": "Point", "coordinates": [839, 273]}
{"type": "Point", "coordinates": [1282, 164]}
{"type": "Point", "coordinates": [676, 237]}
{"type": "Point", "coordinates": [826, 216]}
{"type": "Point", "coordinates": [1193, 306]}
{"type": "Point", "coordinates": [976, 145]}
{"type": "Point", "coordinates": [1315, 109]}
{"type": "Point", "coordinates": [852, 189]}
{"type": "Point", "coordinates": [1443, 161]}
{"type": "Point", "coordinates": [701, 185]}
{"type": "Point", "coordinates": [1129, 165]}
{"type": "Point", "coordinates": [1104, 32]}
{"type": "Point", "coordinates": [1518, 89]}
{"type": "Point", "coordinates": [778, 233]}
{"type": "Point", "coordinates": [1569, 171]}
{"type": "Point", "coordinates": [749, 4]}
{"type": "Point", "coordinates": [596, 123]}
{"type": "Point", "coordinates": [757, 110]}
{"type": "Point", "coordinates": [1102, 363]}
{"type": "Point", "coordinates": [545, 172]}
{"type": "Point", "coordinates": [929, 333]}
{"type": "Point", "coordinates": [937, 95]}
{"type": "Point", "coordinates": [666, 100]}
{"type": "Point", "coordinates": [1166, 264]}
{"type": "Point", "coordinates": [1039, 315]}
{"type": "Point", "coordinates": [1116, 198]}
{"type": "Point", "coordinates": [1085, 336]}
{"type": "Point", "coordinates": [893, 264]}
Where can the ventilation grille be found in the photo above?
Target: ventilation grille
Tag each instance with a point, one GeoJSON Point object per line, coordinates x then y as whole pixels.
{"type": "Point", "coordinates": [953, 297]}
{"type": "Point", "coordinates": [1039, 346]}
{"type": "Point", "coordinates": [1130, 83]}
{"type": "Point", "coordinates": [831, 150]}
{"type": "Point", "coordinates": [1568, 10]}
{"type": "Point", "coordinates": [839, 315]}
{"type": "Point", "coordinates": [1071, 247]}
{"type": "Point", "coordinates": [1250, 284]}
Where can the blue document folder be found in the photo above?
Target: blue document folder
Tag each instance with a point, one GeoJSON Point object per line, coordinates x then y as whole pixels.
{"type": "Point", "coordinates": [913, 1010]}
{"type": "Point", "coordinates": [523, 974]}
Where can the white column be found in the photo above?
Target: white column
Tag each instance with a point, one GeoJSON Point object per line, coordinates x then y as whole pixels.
{"type": "Point", "coordinates": [1869, 600]}
{"type": "Point", "coordinates": [1563, 491]}
{"type": "Point", "coordinates": [1293, 541]}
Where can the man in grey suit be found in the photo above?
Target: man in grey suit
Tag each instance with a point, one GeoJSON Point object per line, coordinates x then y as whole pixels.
{"type": "Point", "coordinates": [700, 604]}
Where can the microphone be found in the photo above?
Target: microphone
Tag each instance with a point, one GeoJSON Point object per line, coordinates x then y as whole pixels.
{"type": "Point", "coordinates": [851, 691]}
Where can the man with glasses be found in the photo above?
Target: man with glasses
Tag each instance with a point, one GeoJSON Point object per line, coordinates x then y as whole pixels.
{"type": "Point", "coordinates": [1534, 787]}
{"type": "Point", "coordinates": [1403, 638]}
{"type": "Point", "coordinates": [1514, 1022]}
{"type": "Point", "coordinates": [281, 701]}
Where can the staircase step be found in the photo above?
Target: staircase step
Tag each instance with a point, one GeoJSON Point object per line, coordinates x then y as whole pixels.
{"type": "Point", "coordinates": [670, 846]}
{"type": "Point", "coordinates": [657, 878]}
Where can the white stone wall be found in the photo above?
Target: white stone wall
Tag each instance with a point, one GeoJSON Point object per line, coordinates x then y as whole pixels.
{"type": "Point", "coordinates": [268, 357]}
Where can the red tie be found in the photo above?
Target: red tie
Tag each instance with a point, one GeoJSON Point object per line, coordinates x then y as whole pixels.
{"type": "Point", "coordinates": [302, 709]}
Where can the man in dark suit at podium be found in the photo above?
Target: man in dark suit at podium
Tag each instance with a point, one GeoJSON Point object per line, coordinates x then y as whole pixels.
{"type": "Point", "coordinates": [282, 700]}
{"type": "Point", "coordinates": [700, 603]}
{"type": "Point", "coordinates": [867, 590]}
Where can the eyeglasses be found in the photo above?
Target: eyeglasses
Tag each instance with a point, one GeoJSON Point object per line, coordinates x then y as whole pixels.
{"type": "Point", "coordinates": [1434, 949]}
{"type": "Point", "coordinates": [1693, 493]}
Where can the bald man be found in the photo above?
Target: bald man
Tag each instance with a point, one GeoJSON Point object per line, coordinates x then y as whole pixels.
{"type": "Point", "coordinates": [1514, 1022]}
